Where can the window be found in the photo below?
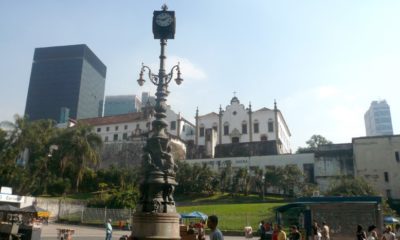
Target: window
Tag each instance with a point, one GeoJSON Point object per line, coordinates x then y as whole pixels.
{"type": "Point", "coordinates": [202, 132]}
{"type": "Point", "coordinates": [244, 128]}
{"type": "Point", "coordinates": [386, 176]}
{"type": "Point", "coordinates": [125, 136]}
{"type": "Point", "coordinates": [98, 129]}
{"type": "Point", "coordinates": [270, 125]}
{"type": "Point", "coordinates": [106, 139]}
{"type": "Point", "coordinates": [263, 138]}
{"type": "Point", "coordinates": [173, 125]}
{"type": "Point", "coordinates": [126, 127]}
{"type": "Point", "coordinates": [116, 128]}
{"type": "Point", "coordinates": [226, 130]}
{"type": "Point", "coordinates": [396, 154]}
{"type": "Point", "coordinates": [215, 127]}
{"type": "Point", "coordinates": [388, 193]}
{"type": "Point", "coordinates": [115, 137]}
{"type": "Point", "coordinates": [184, 128]}
{"type": "Point", "coordinates": [107, 129]}
{"type": "Point", "coordinates": [256, 128]}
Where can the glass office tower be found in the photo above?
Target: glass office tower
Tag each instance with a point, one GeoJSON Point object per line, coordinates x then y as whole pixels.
{"type": "Point", "coordinates": [65, 77]}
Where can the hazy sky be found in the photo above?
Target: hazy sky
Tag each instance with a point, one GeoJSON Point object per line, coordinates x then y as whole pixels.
{"type": "Point", "coordinates": [323, 61]}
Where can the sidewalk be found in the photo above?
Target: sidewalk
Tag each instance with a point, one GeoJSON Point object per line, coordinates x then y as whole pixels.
{"type": "Point", "coordinates": [89, 233]}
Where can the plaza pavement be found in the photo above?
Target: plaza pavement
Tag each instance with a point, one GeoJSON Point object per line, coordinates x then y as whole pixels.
{"type": "Point", "coordinates": [89, 233]}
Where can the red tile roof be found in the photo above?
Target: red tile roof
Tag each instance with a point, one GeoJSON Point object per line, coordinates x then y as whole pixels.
{"type": "Point", "coordinates": [130, 117]}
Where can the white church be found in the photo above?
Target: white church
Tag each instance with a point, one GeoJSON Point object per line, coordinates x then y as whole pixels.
{"type": "Point", "coordinates": [238, 130]}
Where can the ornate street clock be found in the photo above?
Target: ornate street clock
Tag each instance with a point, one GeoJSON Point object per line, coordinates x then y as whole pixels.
{"type": "Point", "coordinates": [164, 24]}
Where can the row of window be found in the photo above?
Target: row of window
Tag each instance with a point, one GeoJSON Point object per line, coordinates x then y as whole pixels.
{"type": "Point", "coordinates": [116, 137]}
{"type": "Point", "coordinates": [256, 128]}
{"type": "Point", "coordinates": [116, 128]}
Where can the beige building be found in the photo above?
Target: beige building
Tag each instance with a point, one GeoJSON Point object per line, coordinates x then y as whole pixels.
{"type": "Point", "coordinates": [377, 160]}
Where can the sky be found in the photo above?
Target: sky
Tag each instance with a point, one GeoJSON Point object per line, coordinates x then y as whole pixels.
{"type": "Point", "coordinates": [323, 61]}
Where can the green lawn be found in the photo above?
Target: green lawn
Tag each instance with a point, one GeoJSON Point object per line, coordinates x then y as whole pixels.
{"type": "Point", "coordinates": [237, 216]}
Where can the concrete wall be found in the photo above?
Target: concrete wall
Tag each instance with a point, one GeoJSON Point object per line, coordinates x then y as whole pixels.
{"type": "Point", "coordinates": [377, 161]}
{"type": "Point", "coordinates": [331, 162]}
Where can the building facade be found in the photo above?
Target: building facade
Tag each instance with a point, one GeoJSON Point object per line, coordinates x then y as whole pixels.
{"type": "Point", "coordinates": [65, 80]}
{"type": "Point", "coordinates": [378, 120]}
{"type": "Point", "coordinates": [377, 160]}
{"type": "Point", "coordinates": [121, 104]}
{"type": "Point", "coordinates": [132, 125]}
{"type": "Point", "coordinates": [216, 132]}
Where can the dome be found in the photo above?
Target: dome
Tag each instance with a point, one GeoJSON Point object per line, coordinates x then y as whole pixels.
{"type": "Point", "coordinates": [235, 100]}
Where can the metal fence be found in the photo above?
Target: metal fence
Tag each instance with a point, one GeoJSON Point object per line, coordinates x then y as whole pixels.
{"type": "Point", "coordinates": [95, 215]}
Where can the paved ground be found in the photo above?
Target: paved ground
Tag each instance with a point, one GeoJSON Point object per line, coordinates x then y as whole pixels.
{"type": "Point", "coordinates": [89, 233]}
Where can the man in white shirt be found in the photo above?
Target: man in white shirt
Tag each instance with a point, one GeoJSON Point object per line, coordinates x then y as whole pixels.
{"type": "Point", "coordinates": [108, 230]}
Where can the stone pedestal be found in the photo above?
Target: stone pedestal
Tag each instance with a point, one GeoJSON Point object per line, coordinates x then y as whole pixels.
{"type": "Point", "coordinates": [155, 226]}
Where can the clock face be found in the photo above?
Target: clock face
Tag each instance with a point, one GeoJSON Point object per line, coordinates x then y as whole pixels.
{"type": "Point", "coordinates": [164, 19]}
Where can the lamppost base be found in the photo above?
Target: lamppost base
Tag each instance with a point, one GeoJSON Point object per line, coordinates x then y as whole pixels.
{"type": "Point", "coordinates": [155, 226]}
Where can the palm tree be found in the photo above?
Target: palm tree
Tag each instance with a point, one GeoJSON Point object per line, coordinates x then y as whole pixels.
{"type": "Point", "coordinates": [79, 149]}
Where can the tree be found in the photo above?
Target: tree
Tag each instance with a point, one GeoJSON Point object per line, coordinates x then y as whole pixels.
{"type": "Point", "coordinates": [79, 149]}
{"type": "Point", "coordinates": [225, 177]}
{"type": "Point", "coordinates": [313, 143]}
{"type": "Point", "coordinates": [292, 179]}
{"type": "Point", "coordinates": [348, 186]}
{"type": "Point", "coordinates": [273, 177]}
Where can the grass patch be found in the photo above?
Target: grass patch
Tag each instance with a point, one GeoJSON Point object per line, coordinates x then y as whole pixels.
{"type": "Point", "coordinates": [223, 198]}
{"type": "Point", "coordinates": [237, 216]}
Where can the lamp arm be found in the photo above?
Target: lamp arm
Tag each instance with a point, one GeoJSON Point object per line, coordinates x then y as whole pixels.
{"type": "Point", "coordinates": [171, 73]}
{"type": "Point", "coordinates": [153, 77]}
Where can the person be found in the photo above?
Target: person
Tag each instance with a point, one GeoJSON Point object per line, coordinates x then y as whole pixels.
{"type": "Point", "coordinates": [295, 234]}
{"type": "Point", "coordinates": [275, 232]}
{"type": "Point", "coordinates": [316, 231]}
{"type": "Point", "coordinates": [201, 231]}
{"type": "Point", "coordinates": [325, 232]}
{"type": "Point", "coordinates": [397, 232]}
{"type": "Point", "coordinates": [388, 234]}
{"type": "Point", "coordinates": [108, 230]}
{"type": "Point", "coordinates": [261, 230]}
{"type": "Point", "coordinates": [281, 233]}
{"type": "Point", "coordinates": [360, 234]}
{"type": "Point", "coordinates": [212, 224]}
{"type": "Point", "coordinates": [372, 235]}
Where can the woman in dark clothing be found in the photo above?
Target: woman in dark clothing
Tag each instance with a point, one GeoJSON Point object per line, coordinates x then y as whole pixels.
{"type": "Point", "coordinates": [361, 235]}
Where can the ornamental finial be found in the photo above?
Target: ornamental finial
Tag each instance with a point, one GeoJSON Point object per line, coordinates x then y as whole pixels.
{"type": "Point", "coordinates": [164, 7]}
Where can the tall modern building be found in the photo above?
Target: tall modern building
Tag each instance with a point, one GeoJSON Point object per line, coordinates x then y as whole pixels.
{"type": "Point", "coordinates": [378, 120]}
{"type": "Point", "coordinates": [121, 104]}
{"type": "Point", "coordinates": [65, 80]}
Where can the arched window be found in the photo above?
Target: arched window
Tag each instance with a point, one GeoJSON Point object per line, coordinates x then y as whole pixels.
{"type": "Point", "coordinates": [263, 138]}
{"type": "Point", "coordinates": [201, 130]}
{"type": "Point", "coordinates": [244, 127]}
{"type": "Point", "coordinates": [256, 126]}
{"type": "Point", "coordinates": [215, 127]}
{"type": "Point", "coordinates": [226, 128]}
{"type": "Point", "coordinates": [270, 125]}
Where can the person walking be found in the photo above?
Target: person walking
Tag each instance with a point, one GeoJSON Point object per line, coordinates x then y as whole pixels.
{"type": "Point", "coordinates": [316, 231]}
{"type": "Point", "coordinates": [108, 230]}
{"type": "Point", "coordinates": [388, 234]}
{"type": "Point", "coordinates": [397, 232]}
{"type": "Point", "coordinates": [281, 233]}
{"type": "Point", "coordinates": [212, 224]}
{"type": "Point", "coordinates": [325, 232]}
{"type": "Point", "coordinates": [360, 234]}
{"type": "Point", "coordinates": [372, 234]}
{"type": "Point", "coordinates": [295, 234]}
{"type": "Point", "coordinates": [275, 232]}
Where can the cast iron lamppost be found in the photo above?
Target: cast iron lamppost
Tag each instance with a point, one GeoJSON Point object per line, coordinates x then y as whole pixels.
{"type": "Point", "coordinates": [156, 216]}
